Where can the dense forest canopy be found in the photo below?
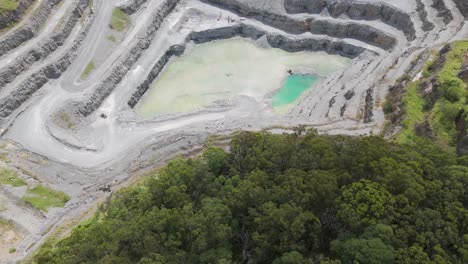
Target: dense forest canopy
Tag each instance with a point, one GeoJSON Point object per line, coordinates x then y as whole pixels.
{"type": "Point", "coordinates": [297, 198]}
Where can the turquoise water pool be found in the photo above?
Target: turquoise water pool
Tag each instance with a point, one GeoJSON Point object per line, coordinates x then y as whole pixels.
{"type": "Point", "coordinates": [292, 89]}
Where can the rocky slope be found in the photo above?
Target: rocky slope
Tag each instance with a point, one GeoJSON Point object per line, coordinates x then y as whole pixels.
{"type": "Point", "coordinates": [8, 18]}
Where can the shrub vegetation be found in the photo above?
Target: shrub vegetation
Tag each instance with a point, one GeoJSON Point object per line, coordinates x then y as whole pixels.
{"type": "Point", "coordinates": [298, 198]}
{"type": "Point", "coordinates": [43, 198]}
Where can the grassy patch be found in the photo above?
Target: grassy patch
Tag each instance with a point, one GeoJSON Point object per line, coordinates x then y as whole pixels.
{"type": "Point", "coordinates": [111, 38]}
{"type": "Point", "coordinates": [119, 20]}
{"type": "Point", "coordinates": [8, 5]}
{"type": "Point", "coordinates": [11, 178]}
{"type": "Point", "coordinates": [4, 157]}
{"type": "Point", "coordinates": [43, 198]}
{"type": "Point", "coordinates": [89, 68]}
{"type": "Point", "coordinates": [414, 107]}
{"type": "Point", "coordinates": [8, 226]}
{"type": "Point", "coordinates": [4, 223]}
{"type": "Point", "coordinates": [66, 119]}
{"type": "Point", "coordinates": [442, 120]}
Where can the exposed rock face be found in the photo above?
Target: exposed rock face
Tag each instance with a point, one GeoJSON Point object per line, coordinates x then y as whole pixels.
{"type": "Point", "coordinates": [11, 17]}
{"type": "Point", "coordinates": [394, 107]}
{"type": "Point", "coordinates": [462, 147]}
{"type": "Point", "coordinates": [44, 49]}
{"type": "Point", "coordinates": [343, 110]}
{"type": "Point", "coordinates": [428, 89]}
{"type": "Point", "coordinates": [464, 69]}
{"type": "Point", "coordinates": [364, 33]}
{"type": "Point", "coordinates": [119, 71]}
{"type": "Point", "coordinates": [424, 130]}
{"type": "Point", "coordinates": [462, 5]}
{"type": "Point", "coordinates": [16, 39]}
{"type": "Point", "coordinates": [341, 48]}
{"type": "Point", "coordinates": [133, 6]}
{"type": "Point", "coordinates": [356, 10]}
{"type": "Point", "coordinates": [464, 74]}
{"type": "Point", "coordinates": [369, 105]}
{"type": "Point", "coordinates": [38, 79]}
{"type": "Point", "coordinates": [442, 11]}
{"type": "Point", "coordinates": [460, 124]}
{"type": "Point", "coordinates": [175, 50]}
{"type": "Point", "coordinates": [305, 6]}
{"type": "Point", "coordinates": [439, 63]}
{"type": "Point", "coordinates": [278, 41]}
{"type": "Point", "coordinates": [225, 33]}
{"type": "Point", "coordinates": [427, 25]}
{"type": "Point", "coordinates": [30, 29]}
{"type": "Point", "coordinates": [349, 94]}
{"type": "Point", "coordinates": [332, 102]}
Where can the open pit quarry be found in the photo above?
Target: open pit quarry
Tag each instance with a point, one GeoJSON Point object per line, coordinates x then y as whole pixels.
{"type": "Point", "coordinates": [85, 107]}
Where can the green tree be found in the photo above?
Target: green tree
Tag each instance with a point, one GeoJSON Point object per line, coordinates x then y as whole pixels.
{"type": "Point", "coordinates": [281, 229]}
{"type": "Point", "coordinates": [400, 178]}
{"type": "Point", "coordinates": [363, 251]}
{"type": "Point", "coordinates": [463, 250]}
{"type": "Point", "coordinates": [412, 255]}
{"type": "Point", "coordinates": [293, 257]}
{"type": "Point", "coordinates": [363, 203]}
{"type": "Point", "coordinates": [380, 231]}
{"type": "Point", "coordinates": [315, 153]}
{"type": "Point", "coordinates": [305, 188]}
{"type": "Point", "coordinates": [217, 160]}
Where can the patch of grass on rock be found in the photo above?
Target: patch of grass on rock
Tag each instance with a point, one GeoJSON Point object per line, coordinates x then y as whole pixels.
{"type": "Point", "coordinates": [42, 198]}
{"type": "Point", "coordinates": [9, 177]}
{"type": "Point", "coordinates": [111, 38]}
{"type": "Point", "coordinates": [89, 68]}
{"type": "Point", "coordinates": [7, 5]}
{"type": "Point", "coordinates": [119, 20]}
{"type": "Point", "coordinates": [4, 223]}
{"type": "Point", "coordinates": [4, 157]}
{"type": "Point", "coordinates": [66, 119]}
{"type": "Point", "coordinates": [414, 107]}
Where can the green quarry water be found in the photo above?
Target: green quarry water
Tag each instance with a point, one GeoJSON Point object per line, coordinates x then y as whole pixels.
{"type": "Point", "coordinates": [292, 89]}
{"type": "Point", "coordinates": [222, 70]}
